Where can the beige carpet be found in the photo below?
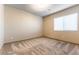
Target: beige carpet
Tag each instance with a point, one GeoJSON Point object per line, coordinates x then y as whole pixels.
{"type": "Point", "coordinates": [40, 46]}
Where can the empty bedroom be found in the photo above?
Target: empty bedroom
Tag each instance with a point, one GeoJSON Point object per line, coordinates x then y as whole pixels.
{"type": "Point", "coordinates": [39, 29]}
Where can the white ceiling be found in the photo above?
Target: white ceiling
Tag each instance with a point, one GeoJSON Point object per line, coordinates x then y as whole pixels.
{"type": "Point", "coordinates": [49, 10]}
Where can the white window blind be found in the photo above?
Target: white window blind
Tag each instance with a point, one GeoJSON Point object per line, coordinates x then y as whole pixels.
{"type": "Point", "coordinates": [66, 23]}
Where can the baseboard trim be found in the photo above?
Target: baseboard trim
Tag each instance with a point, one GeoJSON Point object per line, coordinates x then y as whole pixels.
{"type": "Point", "coordinates": [61, 40]}
{"type": "Point", "coordinates": [23, 40]}
{"type": "Point", "coordinates": [42, 37]}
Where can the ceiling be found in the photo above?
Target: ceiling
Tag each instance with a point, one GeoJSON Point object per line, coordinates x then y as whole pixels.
{"type": "Point", "coordinates": [47, 11]}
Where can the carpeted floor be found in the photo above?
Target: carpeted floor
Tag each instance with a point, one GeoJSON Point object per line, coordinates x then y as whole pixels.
{"type": "Point", "coordinates": [40, 46]}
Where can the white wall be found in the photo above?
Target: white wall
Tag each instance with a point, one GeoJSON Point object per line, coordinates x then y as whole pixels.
{"type": "Point", "coordinates": [1, 25]}
{"type": "Point", "coordinates": [20, 25]}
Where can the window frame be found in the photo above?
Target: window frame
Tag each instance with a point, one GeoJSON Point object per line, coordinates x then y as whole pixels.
{"type": "Point", "coordinates": [64, 26]}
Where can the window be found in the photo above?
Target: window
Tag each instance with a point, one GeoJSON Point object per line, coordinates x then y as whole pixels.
{"type": "Point", "coordinates": [66, 23]}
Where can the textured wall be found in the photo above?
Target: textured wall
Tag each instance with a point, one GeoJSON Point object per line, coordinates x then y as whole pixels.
{"type": "Point", "coordinates": [20, 25]}
{"type": "Point", "coordinates": [70, 36]}
{"type": "Point", "coordinates": [1, 25]}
